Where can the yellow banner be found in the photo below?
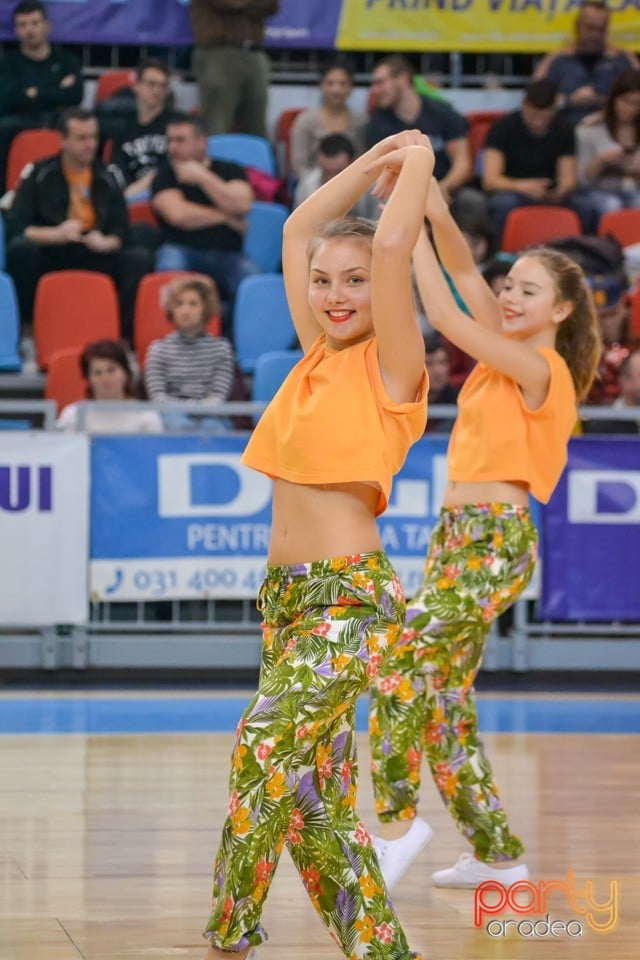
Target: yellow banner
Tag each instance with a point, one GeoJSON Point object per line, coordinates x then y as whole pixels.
{"type": "Point", "coordinates": [533, 26]}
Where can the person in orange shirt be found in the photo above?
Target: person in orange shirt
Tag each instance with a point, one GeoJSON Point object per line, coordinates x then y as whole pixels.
{"type": "Point", "coordinates": [537, 347]}
{"type": "Point", "coordinates": [333, 608]}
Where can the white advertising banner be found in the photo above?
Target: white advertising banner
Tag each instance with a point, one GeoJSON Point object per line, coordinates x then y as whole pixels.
{"type": "Point", "coordinates": [44, 528]}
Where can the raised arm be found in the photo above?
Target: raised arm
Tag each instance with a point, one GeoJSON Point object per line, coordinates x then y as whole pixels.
{"type": "Point", "coordinates": [400, 341]}
{"type": "Point", "coordinates": [455, 256]}
{"type": "Point", "coordinates": [516, 359]}
{"type": "Point", "coordinates": [330, 201]}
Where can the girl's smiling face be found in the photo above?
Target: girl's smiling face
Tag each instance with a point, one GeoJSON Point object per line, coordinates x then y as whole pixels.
{"type": "Point", "coordinates": [340, 290]}
{"type": "Point", "coordinates": [529, 302]}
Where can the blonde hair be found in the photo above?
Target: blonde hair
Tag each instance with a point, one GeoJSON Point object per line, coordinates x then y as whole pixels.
{"type": "Point", "coordinates": [203, 286]}
{"type": "Point", "coordinates": [345, 228]}
{"type": "Point", "coordinates": [578, 339]}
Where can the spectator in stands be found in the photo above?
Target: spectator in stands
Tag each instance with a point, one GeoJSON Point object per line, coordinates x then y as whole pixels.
{"type": "Point", "coordinates": [36, 80]}
{"type": "Point", "coordinates": [608, 144]}
{"type": "Point", "coordinates": [106, 369]}
{"type": "Point", "coordinates": [400, 107]}
{"type": "Point", "coordinates": [611, 300]}
{"type": "Point", "coordinates": [585, 70]}
{"type": "Point", "coordinates": [70, 213]}
{"type": "Point", "coordinates": [529, 158]}
{"type": "Point", "coordinates": [230, 64]}
{"type": "Point", "coordinates": [335, 152]}
{"type": "Point", "coordinates": [441, 389]}
{"type": "Point", "coordinates": [629, 385]}
{"type": "Point", "coordinates": [202, 206]}
{"type": "Point", "coordinates": [143, 144]}
{"type": "Point", "coordinates": [333, 115]}
{"type": "Point", "coordinates": [190, 364]}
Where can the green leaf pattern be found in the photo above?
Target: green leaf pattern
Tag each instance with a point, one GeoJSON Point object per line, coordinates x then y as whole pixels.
{"type": "Point", "coordinates": [480, 559]}
{"type": "Point", "coordinates": [328, 629]}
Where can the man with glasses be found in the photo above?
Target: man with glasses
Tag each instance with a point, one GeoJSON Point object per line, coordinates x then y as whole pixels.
{"type": "Point", "coordinates": [143, 142]}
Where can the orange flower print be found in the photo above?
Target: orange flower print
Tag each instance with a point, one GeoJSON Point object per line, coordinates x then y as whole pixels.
{"type": "Point", "coordinates": [238, 754]}
{"type": "Point", "coordinates": [368, 886]}
{"type": "Point", "coordinates": [240, 821]}
{"type": "Point", "coordinates": [321, 629]}
{"type": "Point", "coordinates": [345, 771]}
{"type": "Point", "coordinates": [275, 786]}
{"type": "Point", "coordinates": [295, 825]}
{"type": "Point", "coordinates": [324, 764]}
{"type": "Point", "coordinates": [414, 758]}
{"type": "Point", "coordinates": [366, 928]}
{"type": "Point", "coordinates": [339, 663]}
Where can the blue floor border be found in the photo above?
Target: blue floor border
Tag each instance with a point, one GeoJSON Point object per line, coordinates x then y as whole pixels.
{"type": "Point", "coordinates": [194, 713]}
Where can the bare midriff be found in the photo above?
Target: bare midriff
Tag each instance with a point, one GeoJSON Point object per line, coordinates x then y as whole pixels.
{"type": "Point", "coordinates": [316, 522]}
{"type": "Point", "coordinates": [500, 491]}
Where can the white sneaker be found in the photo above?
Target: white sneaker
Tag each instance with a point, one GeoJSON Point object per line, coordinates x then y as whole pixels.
{"type": "Point", "coordinates": [468, 873]}
{"type": "Point", "coordinates": [395, 856]}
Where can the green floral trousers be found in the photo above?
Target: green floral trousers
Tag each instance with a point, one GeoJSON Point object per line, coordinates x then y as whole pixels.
{"type": "Point", "coordinates": [480, 559]}
{"type": "Point", "coordinates": [328, 628]}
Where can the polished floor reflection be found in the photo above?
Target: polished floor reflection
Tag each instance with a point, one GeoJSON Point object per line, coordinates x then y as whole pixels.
{"type": "Point", "coordinates": [106, 839]}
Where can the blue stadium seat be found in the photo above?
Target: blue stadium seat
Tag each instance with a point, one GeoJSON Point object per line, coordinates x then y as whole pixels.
{"type": "Point", "coordinates": [243, 148]}
{"type": "Point", "coordinates": [270, 371]}
{"type": "Point", "coordinates": [6, 424]}
{"type": "Point", "coordinates": [2, 243]}
{"type": "Point", "coordinates": [263, 239]}
{"type": "Point", "coordinates": [261, 319]}
{"type": "Point", "coordinates": [10, 361]}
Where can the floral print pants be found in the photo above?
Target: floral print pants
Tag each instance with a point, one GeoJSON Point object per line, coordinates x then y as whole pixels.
{"type": "Point", "coordinates": [328, 628]}
{"type": "Point", "coordinates": [480, 559]}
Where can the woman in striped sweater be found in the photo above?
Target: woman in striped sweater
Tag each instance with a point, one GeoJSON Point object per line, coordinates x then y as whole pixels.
{"type": "Point", "coordinates": [190, 364]}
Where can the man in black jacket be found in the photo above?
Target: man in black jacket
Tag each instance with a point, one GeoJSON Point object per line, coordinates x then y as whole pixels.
{"type": "Point", "coordinates": [69, 213]}
{"type": "Point", "coordinates": [36, 80]}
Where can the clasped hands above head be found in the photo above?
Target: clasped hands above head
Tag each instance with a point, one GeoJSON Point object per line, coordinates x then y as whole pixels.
{"type": "Point", "coordinates": [392, 152]}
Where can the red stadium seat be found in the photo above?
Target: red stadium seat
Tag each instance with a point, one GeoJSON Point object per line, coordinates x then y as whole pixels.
{"type": "Point", "coordinates": [526, 226]}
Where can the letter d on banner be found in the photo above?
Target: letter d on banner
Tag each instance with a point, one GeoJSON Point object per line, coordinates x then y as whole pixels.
{"type": "Point", "coordinates": [603, 496]}
{"type": "Point", "coordinates": [209, 485]}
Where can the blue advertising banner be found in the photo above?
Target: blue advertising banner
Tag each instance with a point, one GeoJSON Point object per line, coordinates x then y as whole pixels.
{"type": "Point", "coordinates": [590, 533]}
{"type": "Point", "coordinates": [313, 23]}
{"type": "Point", "coordinates": [181, 518]}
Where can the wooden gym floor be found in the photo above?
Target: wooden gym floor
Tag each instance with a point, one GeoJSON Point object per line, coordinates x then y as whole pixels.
{"type": "Point", "coordinates": [108, 829]}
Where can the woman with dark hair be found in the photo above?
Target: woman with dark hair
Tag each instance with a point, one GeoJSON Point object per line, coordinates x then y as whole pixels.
{"type": "Point", "coordinates": [608, 148]}
{"type": "Point", "coordinates": [106, 369]}
{"type": "Point", "coordinates": [332, 115]}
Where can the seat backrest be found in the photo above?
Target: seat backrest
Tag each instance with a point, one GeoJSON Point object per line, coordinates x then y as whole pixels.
{"type": "Point", "coordinates": [71, 309]}
{"type": "Point", "coordinates": [283, 135]}
{"type": "Point", "coordinates": [113, 80]}
{"type": "Point", "coordinates": [3, 253]}
{"type": "Point", "coordinates": [271, 370]}
{"type": "Point", "coordinates": [526, 226]}
{"type": "Point", "coordinates": [623, 224]}
{"type": "Point", "coordinates": [480, 122]}
{"type": "Point", "coordinates": [65, 383]}
{"type": "Point", "coordinates": [149, 318]}
{"type": "Point", "coordinates": [261, 319]}
{"type": "Point", "coordinates": [263, 239]}
{"type": "Point", "coordinates": [243, 148]}
{"type": "Point", "coordinates": [10, 361]}
{"type": "Point", "coordinates": [141, 211]}
{"type": "Point", "coordinates": [27, 147]}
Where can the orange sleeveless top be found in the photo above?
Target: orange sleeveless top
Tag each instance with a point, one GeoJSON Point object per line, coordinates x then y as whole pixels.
{"type": "Point", "coordinates": [331, 421]}
{"type": "Point", "coordinates": [496, 437]}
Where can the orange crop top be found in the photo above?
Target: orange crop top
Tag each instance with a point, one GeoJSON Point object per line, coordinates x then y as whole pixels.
{"type": "Point", "coordinates": [497, 437]}
{"type": "Point", "coordinates": [331, 421]}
